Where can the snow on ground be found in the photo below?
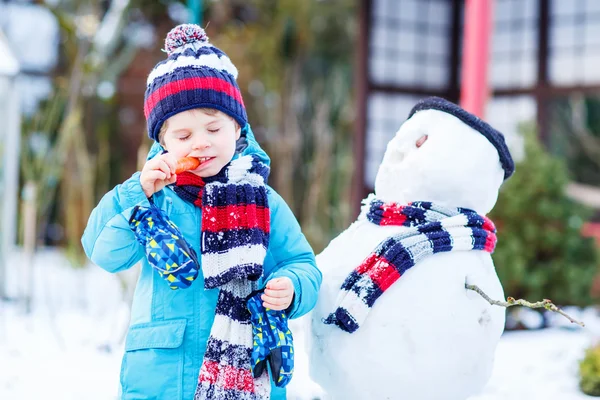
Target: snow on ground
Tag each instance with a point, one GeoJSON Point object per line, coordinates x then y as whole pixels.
{"type": "Point", "coordinates": [60, 350]}
{"type": "Point", "coordinates": [537, 365]}
{"type": "Point", "coordinates": [70, 347]}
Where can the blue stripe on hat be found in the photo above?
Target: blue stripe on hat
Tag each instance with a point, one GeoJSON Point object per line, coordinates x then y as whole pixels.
{"type": "Point", "coordinates": [190, 52]}
{"type": "Point", "coordinates": [197, 98]}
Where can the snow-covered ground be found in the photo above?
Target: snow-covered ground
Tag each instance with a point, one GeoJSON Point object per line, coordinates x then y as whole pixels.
{"type": "Point", "coordinates": [69, 346]}
{"type": "Point", "coordinates": [538, 365]}
{"type": "Point", "coordinates": [61, 349]}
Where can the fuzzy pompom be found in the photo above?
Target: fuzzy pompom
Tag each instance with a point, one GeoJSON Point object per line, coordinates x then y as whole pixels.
{"type": "Point", "coordinates": [182, 35]}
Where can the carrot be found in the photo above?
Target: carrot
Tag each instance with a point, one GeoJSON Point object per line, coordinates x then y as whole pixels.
{"type": "Point", "coordinates": [186, 164]}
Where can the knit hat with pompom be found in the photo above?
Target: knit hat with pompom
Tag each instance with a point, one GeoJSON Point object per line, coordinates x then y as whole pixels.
{"type": "Point", "coordinates": [195, 74]}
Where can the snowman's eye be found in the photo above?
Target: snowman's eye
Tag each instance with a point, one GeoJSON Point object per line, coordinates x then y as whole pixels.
{"type": "Point", "coordinates": [421, 140]}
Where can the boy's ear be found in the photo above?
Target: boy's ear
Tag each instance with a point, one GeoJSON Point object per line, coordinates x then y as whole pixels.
{"type": "Point", "coordinates": [238, 133]}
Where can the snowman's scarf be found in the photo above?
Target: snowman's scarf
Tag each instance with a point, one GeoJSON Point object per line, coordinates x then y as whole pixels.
{"type": "Point", "coordinates": [431, 229]}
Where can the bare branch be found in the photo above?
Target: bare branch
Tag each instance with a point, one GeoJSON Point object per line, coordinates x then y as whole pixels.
{"type": "Point", "coordinates": [510, 301]}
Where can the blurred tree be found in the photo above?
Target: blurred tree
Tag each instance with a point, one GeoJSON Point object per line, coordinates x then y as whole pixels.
{"type": "Point", "coordinates": [576, 135]}
{"type": "Point", "coordinates": [65, 156]}
{"type": "Point", "coordinates": [541, 252]}
{"type": "Point", "coordinates": [295, 63]}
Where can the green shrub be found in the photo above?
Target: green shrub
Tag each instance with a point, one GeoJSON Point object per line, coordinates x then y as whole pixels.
{"type": "Point", "coordinates": [589, 371]}
{"type": "Point", "coordinates": [540, 252]}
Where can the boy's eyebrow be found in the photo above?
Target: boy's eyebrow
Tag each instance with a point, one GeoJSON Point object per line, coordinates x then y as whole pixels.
{"type": "Point", "coordinates": [182, 130]}
{"type": "Point", "coordinates": [213, 122]}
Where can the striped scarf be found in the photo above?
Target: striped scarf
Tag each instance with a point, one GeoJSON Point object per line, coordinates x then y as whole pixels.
{"type": "Point", "coordinates": [235, 237]}
{"type": "Point", "coordinates": [431, 229]}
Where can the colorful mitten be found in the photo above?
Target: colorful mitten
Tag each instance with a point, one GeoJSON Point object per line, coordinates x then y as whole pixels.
{"type": "Point", "coordinates": [272, 341]}
{"type": "Point", "coordinates": [166, 249]}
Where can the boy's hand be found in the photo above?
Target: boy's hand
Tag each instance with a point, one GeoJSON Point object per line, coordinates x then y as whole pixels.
{"type": "Point", "coordinates": [158, 173]}
{"type": "Point", "coordinates": [279, 294]}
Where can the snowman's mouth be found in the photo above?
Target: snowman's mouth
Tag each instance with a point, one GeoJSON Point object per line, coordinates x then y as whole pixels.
{"type": "Point", "coordinates": [400, 152]}
{"type": "Point", "coordinates": [398, 156]}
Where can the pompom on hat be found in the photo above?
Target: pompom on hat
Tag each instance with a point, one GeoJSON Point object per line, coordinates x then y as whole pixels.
{"type": "Point", "coordinates": [195, 74]}
{"type": "Point", "coordinates": [495, 138]}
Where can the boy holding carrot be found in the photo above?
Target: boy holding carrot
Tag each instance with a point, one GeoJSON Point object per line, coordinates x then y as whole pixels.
{"type": "Point", "coordinates": [196, 342]}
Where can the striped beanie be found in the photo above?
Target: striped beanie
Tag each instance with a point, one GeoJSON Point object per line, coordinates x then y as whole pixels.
{"type": "Point", "coordinates": [195, 74]}
{"type": "Point", "coordinates": [495, 138]}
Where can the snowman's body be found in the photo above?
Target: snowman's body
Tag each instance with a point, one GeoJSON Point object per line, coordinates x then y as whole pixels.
{"type": "Point", "coordinates": [426, 337]}
{"type": "Point", "coordinates": [426, 333]}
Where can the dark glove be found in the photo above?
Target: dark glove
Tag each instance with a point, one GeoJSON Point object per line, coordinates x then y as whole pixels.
{"type": "Point", "coordinates": [272, 342]}
{"type": "Point", "coordinates": [166, 249]}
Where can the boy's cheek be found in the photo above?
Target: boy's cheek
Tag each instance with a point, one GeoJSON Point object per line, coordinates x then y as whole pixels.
{"type": "Point", "coordinates": [177, 151]}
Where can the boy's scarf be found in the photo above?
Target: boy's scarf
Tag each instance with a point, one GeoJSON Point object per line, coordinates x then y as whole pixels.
{"type": "Point", "coordinates": [234, 240]}
{"type": "Point", "coordinates": [431, 229]}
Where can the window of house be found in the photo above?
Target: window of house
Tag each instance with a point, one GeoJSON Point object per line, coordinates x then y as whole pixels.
{"type": "Point", "coordinates": [410, 43]}
{"type": "Point", "coordinates": [574, 41]}
{"type": "Point", "coordinates": [514, 41]}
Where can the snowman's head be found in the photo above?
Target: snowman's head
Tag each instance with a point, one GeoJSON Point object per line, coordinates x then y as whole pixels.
{"type": "Point", "coordinates": [444, 155]}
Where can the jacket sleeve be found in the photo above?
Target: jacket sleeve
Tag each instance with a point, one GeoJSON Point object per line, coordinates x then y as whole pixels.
{"type": "Point", "coordinates": [292, 256]}
{"type": "Point", "coordinates": [107, 240]}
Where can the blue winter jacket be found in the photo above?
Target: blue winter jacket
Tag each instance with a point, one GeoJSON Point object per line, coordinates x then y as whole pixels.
{"type": "Point", "coordinates": [169, 329]}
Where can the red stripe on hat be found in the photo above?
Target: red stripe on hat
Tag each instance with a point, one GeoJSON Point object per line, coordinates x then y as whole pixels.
{"type": "Point", "coordinates": [218, 219]}
{"type": "Point", "coordinates": [181, 85]}
{"type": "Point", "coordinates": [226, 376]}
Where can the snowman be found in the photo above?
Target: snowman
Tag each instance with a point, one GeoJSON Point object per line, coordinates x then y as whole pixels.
{"type": "Point", "coordinates": [393, 319]}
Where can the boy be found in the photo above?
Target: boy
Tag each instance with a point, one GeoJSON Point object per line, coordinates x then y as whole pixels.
{"type": "Point", "coordinates": [196, 342]}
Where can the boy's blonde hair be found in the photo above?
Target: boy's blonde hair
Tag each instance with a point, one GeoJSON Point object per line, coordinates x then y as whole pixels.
{"type": "Point", "coordinates": [207, 111]}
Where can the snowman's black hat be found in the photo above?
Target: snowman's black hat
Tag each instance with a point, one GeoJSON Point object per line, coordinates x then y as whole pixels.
{"type": "Point", "coordinates": [495, 137]}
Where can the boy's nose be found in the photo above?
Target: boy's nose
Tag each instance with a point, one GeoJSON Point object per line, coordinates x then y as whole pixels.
{"type": "Point", "coordinates": [201, 143]}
